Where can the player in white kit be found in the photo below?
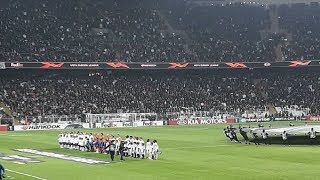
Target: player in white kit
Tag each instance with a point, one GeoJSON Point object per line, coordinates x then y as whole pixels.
{"type": "Point", "coordinates": [155, 150]}
{"type": "Point", "coordinates": [148, 147]}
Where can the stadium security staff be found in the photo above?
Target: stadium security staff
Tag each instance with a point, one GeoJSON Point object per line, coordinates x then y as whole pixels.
{"type": "Point", "coordinates": [2, 171]}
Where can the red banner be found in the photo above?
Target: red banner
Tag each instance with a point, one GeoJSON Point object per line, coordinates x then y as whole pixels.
{"type": "Point", "coordinates": [177, 65]}
{"type": "Point", "coordinates": [230, 120]}
{"type": "Point", "coordinates": [173, 123]}
{"type": "Point", "coordinates": [3, 128]}
{"type": "Point", "coordinates": [313, 118]}
{"type": "Point", "coordinates": [118, 65]}
{"type": "Point", "coordinates": [46, 65]}
{"type": "Point", "coordinates": [299, 63]}
{"type": "Point", "coordinates": [236, 65]}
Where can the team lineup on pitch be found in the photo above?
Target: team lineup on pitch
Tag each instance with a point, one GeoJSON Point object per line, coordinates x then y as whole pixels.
{"type": "Point", "coordinates": [128, 147]}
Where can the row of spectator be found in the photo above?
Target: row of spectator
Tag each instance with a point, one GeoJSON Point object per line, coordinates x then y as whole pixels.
{"type": "Point", "coordinates": [34, 93]}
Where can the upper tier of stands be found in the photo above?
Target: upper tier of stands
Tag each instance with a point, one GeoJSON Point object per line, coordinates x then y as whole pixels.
{"type": "Point", "coordinates": [154, 31]}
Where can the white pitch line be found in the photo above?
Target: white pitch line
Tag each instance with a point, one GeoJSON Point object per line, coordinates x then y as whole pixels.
{"type": "Point", "coordinates": [25, 174]}
{"type": "Point", "coordinates": [14, 135]}
{"type": "Point", "coordinates": [10, 177]}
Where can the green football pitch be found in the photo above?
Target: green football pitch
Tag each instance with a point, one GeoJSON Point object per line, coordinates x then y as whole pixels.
{"type": "Point", "coordinates": [188, 152]}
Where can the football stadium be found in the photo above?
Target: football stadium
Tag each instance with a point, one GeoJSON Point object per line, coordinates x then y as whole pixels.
{"type": "Point", "coordinates": [159, 89]}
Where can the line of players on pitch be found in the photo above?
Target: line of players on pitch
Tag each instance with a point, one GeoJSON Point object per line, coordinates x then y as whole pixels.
{"type": "Point", "coordinates": [129, 147]}
{"type": "Point", "coordinates": [230, 133]}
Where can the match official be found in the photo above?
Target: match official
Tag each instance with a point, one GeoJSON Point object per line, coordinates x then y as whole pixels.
{"type": "Point", "coordinates": [112, 149]}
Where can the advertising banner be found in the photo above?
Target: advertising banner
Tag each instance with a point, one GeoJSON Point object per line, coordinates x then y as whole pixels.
{"type": "Point", "coordinates": [130, 124]}
{"type": "Point", "coordinates": [197, 121]}
{"type": "Point", "coordinates": [52, 126]}
{"type": "Point", "coordinates": [313, 118]}
{"type": "Point", "coordinates": [4, 127]}
{"type": "Point", "coordinates": [156, 65]}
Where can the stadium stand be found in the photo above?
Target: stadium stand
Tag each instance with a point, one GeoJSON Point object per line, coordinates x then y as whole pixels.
{"type": "Point", "coordinates": [36, 92]}
{"type": "Point", "coordinates": [154, 31]}
{"type": "Point", "coordinates": [302, 22]}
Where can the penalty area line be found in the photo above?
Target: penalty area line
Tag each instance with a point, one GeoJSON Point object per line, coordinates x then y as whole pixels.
{"type": "Point", "coordinates": [26, 174]}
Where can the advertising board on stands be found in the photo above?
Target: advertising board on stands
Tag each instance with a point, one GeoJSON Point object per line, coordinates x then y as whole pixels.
{"type": "Point", "coordinates": [130, 124]}
{"type": "Point", "coordinates": [56, 126]}
{"type": "Point", "coordinates": [242, 120]}
{"type": "Point", "coordinates": [52, 126]}
{"type": "Point", "coordinates": [313, 118]}
{"type": "Point", "coordinates": [197, 121]}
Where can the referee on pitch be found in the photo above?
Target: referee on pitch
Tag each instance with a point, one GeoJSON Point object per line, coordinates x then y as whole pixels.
{"type": "Point", "coordinates": [112, 150]}
{"type": "Point", "coordinates": [1, 172]}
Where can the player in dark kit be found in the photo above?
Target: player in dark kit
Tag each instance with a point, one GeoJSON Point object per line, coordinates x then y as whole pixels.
{"type": "Point", "coordinates": [112, 149]}
{"type": "Point", "coordinates": [122, 149]}
{"type": "Point", "coordinates": [2, 171]}
{"type": "Point", "coordinates": [254, 138]}
{"type": "Point", "coordinates": [230, 135]}
{"type": "Point", "coordinates": [244, 135]}
{"type": "Point", "coordinates": [234, 135]}
{"type": "Point", "coordinates": [225, 131]}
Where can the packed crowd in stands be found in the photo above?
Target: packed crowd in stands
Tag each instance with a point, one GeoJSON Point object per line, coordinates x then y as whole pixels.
{"type": "Point", "coordinates": [151, 31]}
{"type": "Point", "coordinates": [303, 23]}
{"type": "Point", "coordinates": [223, 33]}
{"type": "Point", "coordinates": [35, 93]}
{"type": "Point", "coordinates": [81, 31]}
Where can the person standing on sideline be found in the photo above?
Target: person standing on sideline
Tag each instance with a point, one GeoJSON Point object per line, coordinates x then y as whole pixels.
{"type": "Point", "coordinates": [122, 149]}
{"type": "Point", "coordinates": [112, 149]}
{"type": "Point", "coordinates": [2, 171]}
{"type": "Point", "coordinates": [264, 135]}
{"type": "Point", "coordinates": [313, 136]}
{"type": "Point", "coordinates": [284, 137]}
